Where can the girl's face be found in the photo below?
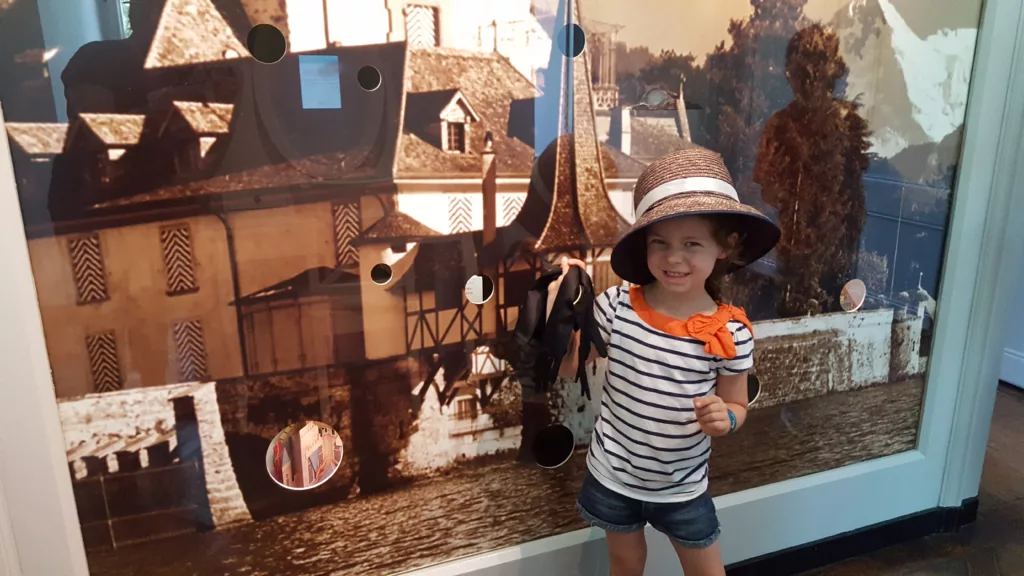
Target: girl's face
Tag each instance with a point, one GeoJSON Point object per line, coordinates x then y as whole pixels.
{"type": "Point", "coordinates": [682, 252]}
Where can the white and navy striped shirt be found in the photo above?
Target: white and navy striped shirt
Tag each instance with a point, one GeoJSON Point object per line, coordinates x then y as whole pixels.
{"type": "Point", "coordinates": [647, 444]}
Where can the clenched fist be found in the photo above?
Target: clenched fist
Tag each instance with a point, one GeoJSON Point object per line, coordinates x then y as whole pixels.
{"type": "Point", "coordinates": [712, 415]}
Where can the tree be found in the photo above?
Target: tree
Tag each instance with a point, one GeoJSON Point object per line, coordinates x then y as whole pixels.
{"type": "Point", "coordinates": [810, 165]}
{"type": "Point", "coordinates": [747, 84]}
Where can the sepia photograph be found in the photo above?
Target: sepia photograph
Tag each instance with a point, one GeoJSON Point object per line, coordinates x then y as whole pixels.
{"type": "Point", "coordinates": [281, 250]}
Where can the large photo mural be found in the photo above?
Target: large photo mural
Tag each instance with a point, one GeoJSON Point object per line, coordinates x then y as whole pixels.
{"type": "Point", "coordinates": [249, 215]}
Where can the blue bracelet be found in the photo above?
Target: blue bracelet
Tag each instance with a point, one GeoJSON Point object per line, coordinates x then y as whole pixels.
{"type": "Point", "coordinates": [732, 421]}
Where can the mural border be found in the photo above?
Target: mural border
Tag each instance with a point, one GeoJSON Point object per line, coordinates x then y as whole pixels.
{"type": "Point", "coordinates": [986, 233]}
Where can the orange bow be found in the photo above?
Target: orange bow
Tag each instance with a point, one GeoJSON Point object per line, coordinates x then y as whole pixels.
{"type": "Point", "coordinates": [714, 332]}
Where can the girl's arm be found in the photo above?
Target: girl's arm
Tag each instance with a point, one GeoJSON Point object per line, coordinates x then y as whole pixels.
{"type": "Point", "coordinates": [570, 362]}
{"type": "Point", "coordinates": [713, 410]}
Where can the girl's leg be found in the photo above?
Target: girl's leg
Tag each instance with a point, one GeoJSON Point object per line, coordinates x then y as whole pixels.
{"type": "Point", "coordinates": [700, 561]}
{"type": "Point", "coordinates": [627, 553]}
{"type": "Point", "coordinates": [623, 523]}
{"type": "Point", "coordinates": [693, 530]}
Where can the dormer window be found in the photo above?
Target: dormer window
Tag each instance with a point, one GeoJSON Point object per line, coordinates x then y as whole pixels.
{"type": "Point", "coordinates": [456, 141]}
{"type": "Point", "coordinates": [456, 117]}
{"type": "Point", "coordinates": [442, 118]}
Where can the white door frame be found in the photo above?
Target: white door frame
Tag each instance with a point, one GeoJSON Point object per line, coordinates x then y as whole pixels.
{"type": "Point", "coordinates": [986, 236]}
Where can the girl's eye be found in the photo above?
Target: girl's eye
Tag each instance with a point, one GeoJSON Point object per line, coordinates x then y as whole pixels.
{"type": "Point", "coordinates": [693, 245]}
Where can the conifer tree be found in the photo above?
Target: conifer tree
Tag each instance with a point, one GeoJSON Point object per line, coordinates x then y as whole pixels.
{"type": "Point", "coordinates": [810, 166]}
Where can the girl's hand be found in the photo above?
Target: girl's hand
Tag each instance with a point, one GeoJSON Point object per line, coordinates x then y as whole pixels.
{"type": "Point", "coordinates": [557, 283]}
{"type": "Point", "coordinates": [712, 415]}
{"type": "Point", "coordinates": [570, 362]}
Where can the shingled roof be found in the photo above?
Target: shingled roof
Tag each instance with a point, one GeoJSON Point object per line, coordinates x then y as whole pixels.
{"type": "Point", "coordinates": [191, 32]}
{"type": "Point", "coordinates": [393, 227]}
{"type": "Point", "coordinates": [206, 117]}
{"type": "Point", "coordinates": [652, 138]}
{"type": "Point", "coordinates": [269, 143]}
{"type": "Point", "coordinates": [38, 138]}
{"type": "Point", "coordinates": [490, 84]}
{"type": "Point", "coordinates": [119, 130]}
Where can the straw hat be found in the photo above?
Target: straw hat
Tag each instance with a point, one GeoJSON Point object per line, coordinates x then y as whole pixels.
{"type": "Point", "coordinates": [694, 181]}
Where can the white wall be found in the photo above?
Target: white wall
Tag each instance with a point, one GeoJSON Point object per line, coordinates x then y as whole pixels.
{"type": "Point", "coordinates": [1013, 353]}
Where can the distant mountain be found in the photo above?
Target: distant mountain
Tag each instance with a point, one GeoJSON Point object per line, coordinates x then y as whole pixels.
{"type": "Point", "coordinates": [913, 89]}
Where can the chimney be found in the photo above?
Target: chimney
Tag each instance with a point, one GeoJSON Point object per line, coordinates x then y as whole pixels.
{"type": "Point", "coordinates": [626, 131]}
{"type": "Point", "coordinates": [489, 189]}
{"type": "Point", "coordinates": [684, 122]}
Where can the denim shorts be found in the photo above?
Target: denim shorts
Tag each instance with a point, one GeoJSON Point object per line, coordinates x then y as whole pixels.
{"type": "Point", "coordinates": [691, 524]}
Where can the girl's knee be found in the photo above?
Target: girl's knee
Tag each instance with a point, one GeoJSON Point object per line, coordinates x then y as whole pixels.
{"type": "Point", "coordinates": [627, 553]}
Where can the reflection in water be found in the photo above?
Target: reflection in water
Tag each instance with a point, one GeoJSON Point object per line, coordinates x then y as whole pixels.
{"type": "Point", "coordinates": [468, 512]}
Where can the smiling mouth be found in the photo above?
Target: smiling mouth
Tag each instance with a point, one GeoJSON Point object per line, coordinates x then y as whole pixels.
{"type": "Point", "coordinates": [676, 275]}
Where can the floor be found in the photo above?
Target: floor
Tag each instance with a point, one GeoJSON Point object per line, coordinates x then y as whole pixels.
{"type": "Point", "coordinates": [992, 546]}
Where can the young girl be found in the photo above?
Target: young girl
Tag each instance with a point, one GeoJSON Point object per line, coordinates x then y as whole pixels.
{"type": "Point", "coordinates": [677, 361]}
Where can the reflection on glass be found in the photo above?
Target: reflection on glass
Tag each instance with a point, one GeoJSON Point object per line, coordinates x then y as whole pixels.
{"type": "Point", "coordinates": [479, 289]}
{"type": "Point", "coordinates": [304, 456]}
{"type": "Point", "coordinates": [218, 256]}
{"type": "Point", "coordinates": [852, 297]}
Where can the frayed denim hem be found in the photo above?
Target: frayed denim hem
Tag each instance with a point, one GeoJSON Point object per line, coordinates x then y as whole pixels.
{"type": "Point", "coordinates": [691, 544]}
{"type": "Point", "coordinates": [598, 523]}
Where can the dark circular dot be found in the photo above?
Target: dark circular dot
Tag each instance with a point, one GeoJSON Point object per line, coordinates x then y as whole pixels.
{"type": "Point", "coordinates": [571, 44]}
{"type": "Point", "coordinates": [553, 446]}
{"type": "Point", "coordinates": [266, 43]}
{"type": "Point", "coordinates": [753, 388]}
{"type": "Point", "coordinates": [380, 274]}
{"type": "Point", "coordinates": [368, 78]}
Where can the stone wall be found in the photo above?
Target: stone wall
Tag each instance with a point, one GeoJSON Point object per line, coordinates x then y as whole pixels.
{"type": "Point", "coordinates": [101, 425]}
{"type": "Point", "coordinates": [799, 358]}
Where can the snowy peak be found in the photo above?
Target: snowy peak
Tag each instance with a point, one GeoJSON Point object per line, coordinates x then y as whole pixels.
{"type": "Point", "coordinates": [914, 89]}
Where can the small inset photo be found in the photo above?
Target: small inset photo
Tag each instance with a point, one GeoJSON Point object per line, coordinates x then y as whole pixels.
{"type": "Point", "coordinates": [304, 455]}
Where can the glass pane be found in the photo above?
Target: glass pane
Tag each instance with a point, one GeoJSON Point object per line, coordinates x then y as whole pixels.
{"type": "Point", "coordinates": [230, 239]}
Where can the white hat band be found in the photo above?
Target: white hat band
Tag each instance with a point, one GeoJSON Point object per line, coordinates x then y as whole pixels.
{"type": "Point", "coordinates": [682, 186]}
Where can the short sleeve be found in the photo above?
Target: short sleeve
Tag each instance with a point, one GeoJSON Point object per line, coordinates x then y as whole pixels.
{"type": "Point", "coordinates": [605, 306]}
{"type": "Point", "coordinates": [744, 342]}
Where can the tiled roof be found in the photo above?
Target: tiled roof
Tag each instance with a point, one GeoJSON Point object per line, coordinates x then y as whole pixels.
{"type": "Point", "coordinates": [490, 84]}
{"type": "Point", "coordinates": [38, 137]}
{"type": "Point", "coordinates": [206, 118]}
{"type": "Point", "coordinates": [651, 139]}
{"type": "Point", "coordinates": [191, 32]}
{"type": "Point", "coordinates": [423, 107]}
{"type": "Point", "coordinates": [282, 175]}
{"type": "Point", "coordinates": [393, 227]}
{"type": "Point", "coordinates": [277, 144]}
{"type": "Point", "coordinates": [115, 129]}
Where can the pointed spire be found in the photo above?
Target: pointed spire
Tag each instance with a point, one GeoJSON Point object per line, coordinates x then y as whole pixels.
{"type": "Point", "coordinates": [581, 213]}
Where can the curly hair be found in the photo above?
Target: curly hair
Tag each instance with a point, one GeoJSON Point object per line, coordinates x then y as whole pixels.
{"type": "Point", "coordinates": [728, 236]}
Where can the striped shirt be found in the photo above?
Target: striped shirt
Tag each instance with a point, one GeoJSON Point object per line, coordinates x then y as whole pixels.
{"type": "Point", "coordinates": [647, 444]}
